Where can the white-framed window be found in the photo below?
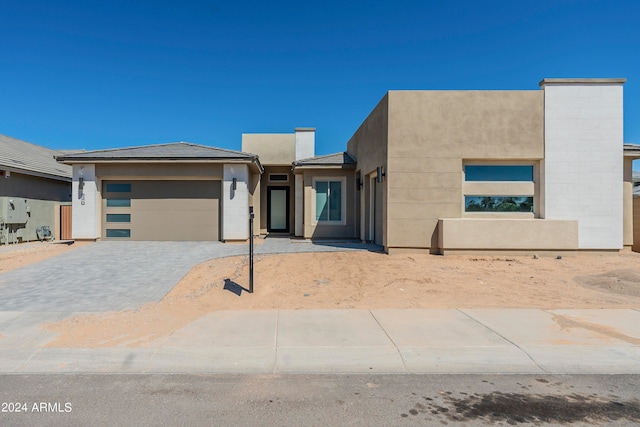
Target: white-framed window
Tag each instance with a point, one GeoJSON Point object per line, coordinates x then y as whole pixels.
{"type": "Point", "coordinates": [330, 201]}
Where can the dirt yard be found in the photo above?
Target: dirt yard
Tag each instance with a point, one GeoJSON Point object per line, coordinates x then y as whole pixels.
{"type": "Point", "coordinates": [365, 280]}
{"type": "Point", "coordinates": [360, 280]}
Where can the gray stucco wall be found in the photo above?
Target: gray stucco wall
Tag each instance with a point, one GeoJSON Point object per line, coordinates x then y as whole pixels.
{"type": "Point", "coordinates": [43, 198]}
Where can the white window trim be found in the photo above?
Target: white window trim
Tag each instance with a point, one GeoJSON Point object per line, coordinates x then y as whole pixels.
{"type": "Point", "coordinates": [343, 213]}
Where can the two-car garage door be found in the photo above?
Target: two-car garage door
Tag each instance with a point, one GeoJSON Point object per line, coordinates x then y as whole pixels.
{"type": "Point", "coordinates": [161, 210]}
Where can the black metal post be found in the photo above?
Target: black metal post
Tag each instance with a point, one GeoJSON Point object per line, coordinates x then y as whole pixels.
{"type": "Point", "coordinates": [250, 249]}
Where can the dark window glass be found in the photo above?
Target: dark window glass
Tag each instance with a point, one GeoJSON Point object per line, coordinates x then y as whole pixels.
{"type": "Point", "coordinates": [278, 177]}
{"type": "Point", "coordinates": [118, 203]}
{"type": "Point", "coordinates": [121, 233]}
{"type": "Point", "coordinates": [119, 188]}
{"type": "Point", "coordinates": [498, 173]}
{"type": "Point", "coordinates": [498, 204]}
{"type": "Point", "coordinates": [118, 218]}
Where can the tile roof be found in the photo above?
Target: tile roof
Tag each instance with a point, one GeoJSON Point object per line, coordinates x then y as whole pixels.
{"type": "Point", "coordinates": [23, 156]}
{"type": "Point", "coordinates": [171, 151]}
{"type": "Point", "coordinates": [336, 159]}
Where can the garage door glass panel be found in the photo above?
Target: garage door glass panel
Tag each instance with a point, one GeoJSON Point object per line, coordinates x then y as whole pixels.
{"type": "Point", "coordinates": [119, 188]}
{"type": "Point", "coordinates": [118, 218]}
{"type": "Point", "coordinates": [278, 209]}
{"type": "Point", "coordinates": [118, 203]}
{"type": "Point", "coordinates": [118, 232]}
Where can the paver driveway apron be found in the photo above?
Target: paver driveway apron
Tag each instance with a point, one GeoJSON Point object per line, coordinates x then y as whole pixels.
{"type": "Point", "coordinates": [105, 276]}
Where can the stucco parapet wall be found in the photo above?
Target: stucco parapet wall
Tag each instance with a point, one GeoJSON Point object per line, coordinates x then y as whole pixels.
{"type": "Point", "coordinates": [582, 81]}
{"type": "Point", "coordinates": [507, 234]}
{"type": "Point", "coordinates": [632, 151]}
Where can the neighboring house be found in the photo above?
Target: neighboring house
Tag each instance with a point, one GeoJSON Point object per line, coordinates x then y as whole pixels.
{"type": "Point", "coordinates": [434, 171]}
{"type": "Point", "coordinates": [32, 188]}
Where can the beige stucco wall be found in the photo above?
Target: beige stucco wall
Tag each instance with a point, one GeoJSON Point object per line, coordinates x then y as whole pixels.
{"type": "Point", "coordinates": [159, 171]}
{"type": "Point", "coordinates": [431, 134]}
{"type": "Point", "coordinates": [473, 234]}
{"type": "Point", "coordinates": [318, 230]}
{"type": "Point", "coordinates": [272, 148]}
{"type": "Point", "coordinates": [368, 146]}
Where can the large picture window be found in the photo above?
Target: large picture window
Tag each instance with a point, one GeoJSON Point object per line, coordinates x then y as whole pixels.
{"type": "Point", "coordinates": [330, 200]}
{"type": "Point", "coordinates": [499, 188]}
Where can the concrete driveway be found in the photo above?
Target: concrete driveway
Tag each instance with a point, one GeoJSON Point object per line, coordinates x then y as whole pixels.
{"type": "Point", "coordinates": [114, 276]}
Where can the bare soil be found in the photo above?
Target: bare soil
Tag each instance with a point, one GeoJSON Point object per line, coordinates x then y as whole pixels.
{"type": "Point", "coordinates": [366, 280]}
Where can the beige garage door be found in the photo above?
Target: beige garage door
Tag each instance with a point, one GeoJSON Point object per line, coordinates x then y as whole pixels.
{"type": "Point", "coordinates": [161, 210]}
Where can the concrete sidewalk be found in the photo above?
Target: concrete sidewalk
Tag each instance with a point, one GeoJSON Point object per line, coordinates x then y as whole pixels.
{"type": "Point", "coordinates": [351, 341]}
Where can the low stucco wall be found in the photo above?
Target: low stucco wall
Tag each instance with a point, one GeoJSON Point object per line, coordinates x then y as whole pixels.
{"type": "Point", "coordinates": [471, 234]}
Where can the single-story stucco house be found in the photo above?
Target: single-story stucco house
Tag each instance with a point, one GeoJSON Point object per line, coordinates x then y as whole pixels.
{"type": "Point", "coordinates": [33, 186]}
{"type": "Point", "coordinates": [434, 171]}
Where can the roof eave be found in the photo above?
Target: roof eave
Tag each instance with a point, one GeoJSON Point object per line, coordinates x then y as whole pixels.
{"type": "Point", "coordinates": [69, 160]}
{"type": "Point", "coordinates": [308, 166]}
{"type": "Point", "coordinates": [72, 160]}
{"type": "Point", "coordinates": [36, 173]}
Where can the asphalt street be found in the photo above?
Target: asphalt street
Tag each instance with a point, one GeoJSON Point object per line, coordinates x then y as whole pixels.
{"type": "Point", "coordinates": [319, 400]}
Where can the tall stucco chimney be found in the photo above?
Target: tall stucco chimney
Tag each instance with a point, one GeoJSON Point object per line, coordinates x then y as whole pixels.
{"type": "Point", "coordinates": [305, 143]}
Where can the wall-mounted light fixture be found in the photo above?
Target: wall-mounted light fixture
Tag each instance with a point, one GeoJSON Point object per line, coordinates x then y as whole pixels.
{"type": "Point", "coordinates": [358, 183]}
{"type": "Point", "coordinates": [80, 183]}
{"type": "Point", "coordinates": [379, 174]}
{"type": "Point", "coordinates": [234, 184]}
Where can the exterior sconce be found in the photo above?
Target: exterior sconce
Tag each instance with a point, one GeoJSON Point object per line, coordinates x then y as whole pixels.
{"type": "Point", "coordinates": [234, 184]}
{"type": "Point", "coordinates": [379, 174]}
{"type": "Point", "coordinates": [358, 183]}
{"type": "Point", "coordinates": [80, 183]}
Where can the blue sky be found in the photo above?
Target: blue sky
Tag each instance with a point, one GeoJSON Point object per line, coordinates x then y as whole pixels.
{"type": "Point", "coordinates": [100, 74]}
